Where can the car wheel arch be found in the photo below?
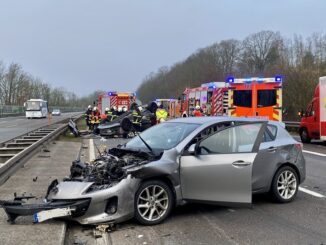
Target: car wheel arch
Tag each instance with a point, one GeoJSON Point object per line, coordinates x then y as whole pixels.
{"type": "Point", "coordinates": [286, 164]}
{"type": "Point", "coordinates": [166, 180]}
{"type": "Point", "coordinates": [301, 129]}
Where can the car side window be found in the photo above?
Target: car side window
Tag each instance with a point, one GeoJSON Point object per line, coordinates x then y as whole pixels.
{"type": "Point", "coordinates": [238, 139]}
{"type": "Point", "coordinates": [270, 133]}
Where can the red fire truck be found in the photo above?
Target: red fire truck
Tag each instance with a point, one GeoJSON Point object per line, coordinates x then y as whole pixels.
{"type": "Point", "coordinates": [117, 99]}
{"type": "Point", "coordinates": [313, 121]}
{"type": "Point", "coordinates": [213, 95]}
{"type": "Point", "coordinates": [247, 97]}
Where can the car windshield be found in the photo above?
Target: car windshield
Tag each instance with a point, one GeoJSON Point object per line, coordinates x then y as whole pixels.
{"type": "Point", "coordinates": [163, 136]}
{"type": "Point", "coordinates": [56, 110]}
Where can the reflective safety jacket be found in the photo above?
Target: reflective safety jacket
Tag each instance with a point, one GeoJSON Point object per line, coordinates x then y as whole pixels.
{"type": "Point", "coordinates": [161, 114]}
{"type": "Point", "coordinates": [108, 115]}
{"type": "Point", "coordinates": [95, 117]}
{"type": "Point", "coordinates": [136, 117]}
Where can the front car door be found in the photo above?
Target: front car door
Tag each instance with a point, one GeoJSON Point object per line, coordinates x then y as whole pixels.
{"type": "Point", "coordinates": [220, 170]}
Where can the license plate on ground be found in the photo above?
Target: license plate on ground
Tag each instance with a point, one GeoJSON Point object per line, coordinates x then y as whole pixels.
{"type": "Point", "coordinates": [50, 214]}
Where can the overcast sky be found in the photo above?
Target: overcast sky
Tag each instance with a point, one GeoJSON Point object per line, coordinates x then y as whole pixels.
{"type": "Point", "coordinates": [86, 45]}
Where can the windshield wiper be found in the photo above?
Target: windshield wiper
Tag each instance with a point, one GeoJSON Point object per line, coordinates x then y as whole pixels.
{"type": "Point", "coordinates": [149, 148]}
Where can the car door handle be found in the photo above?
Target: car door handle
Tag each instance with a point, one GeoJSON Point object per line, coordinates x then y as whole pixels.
{"type": "Point", "coordinates": [272, 149]}
{"type": "Point", "coordinates": [241, 163]}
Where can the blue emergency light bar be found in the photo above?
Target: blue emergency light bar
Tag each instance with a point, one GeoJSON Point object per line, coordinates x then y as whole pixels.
{"type": "Point", "coordinates": [112, 93]}
{"type": "Point", "coordinates": [278, 78]}
{"type": "Point", "coordinates": [230, 80]}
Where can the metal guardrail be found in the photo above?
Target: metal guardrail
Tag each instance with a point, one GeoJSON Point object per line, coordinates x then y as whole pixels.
{"type": "Point", "coordinates": [292, 124]}
{"type": "Point", "coordinates": [14, 151]}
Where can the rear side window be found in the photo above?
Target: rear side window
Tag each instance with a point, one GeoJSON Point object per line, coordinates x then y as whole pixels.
{"type": "Point", "coordinates": [266, 97]}
{"type": "Point", "coordinates": [242, 98]}
{"type": "Point", "coordinates": [270, 133]}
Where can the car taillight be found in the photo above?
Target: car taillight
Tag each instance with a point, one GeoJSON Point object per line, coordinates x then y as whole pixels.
{"type": "Point", "coordinates": [299, 146]}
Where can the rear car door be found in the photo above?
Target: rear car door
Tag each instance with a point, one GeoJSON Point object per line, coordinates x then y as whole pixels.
{"type": "Point", "coordinates": [220, 170]}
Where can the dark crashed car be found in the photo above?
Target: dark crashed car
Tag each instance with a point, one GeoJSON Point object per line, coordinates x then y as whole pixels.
{"type": "Point", "coordinates": [123, 124]}
{"type": "Point", "coordinates": [210, 159]}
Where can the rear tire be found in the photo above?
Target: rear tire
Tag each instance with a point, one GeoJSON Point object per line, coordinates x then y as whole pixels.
{"type": "Point", "coordinates": [305, 136]}
{"type": "Point", "coordinates": [285, 185]}
{"type": "Point", "coordinates": [153, 202]}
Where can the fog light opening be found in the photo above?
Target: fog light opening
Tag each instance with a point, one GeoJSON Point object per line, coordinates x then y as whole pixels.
{"type": "Point", "coordinates": [111, 205]}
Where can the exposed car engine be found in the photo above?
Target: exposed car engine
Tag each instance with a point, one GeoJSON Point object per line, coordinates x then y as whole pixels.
{"type": "Point", "coordinates": [108, 168]}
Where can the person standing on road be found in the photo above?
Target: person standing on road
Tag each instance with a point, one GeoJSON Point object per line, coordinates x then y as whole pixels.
{"type": "Point", "coordinates": [114, 113]}
{"type": "Point", "coordinates": [209, 108]}
{"type": "Point", "coordinates": [95, 119]}
{"type": "Point", "coordinates": [88, 117]}
{"type": "Point", "coordinates": [161, 114]}
{"type": "Point", "coordinates": [108, 114]}
{"type": "Point", "coordinates": [136, 117]}
{"type": "Point", "coordinates": [197, 112]}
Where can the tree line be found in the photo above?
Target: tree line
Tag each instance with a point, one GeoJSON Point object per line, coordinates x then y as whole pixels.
{"type": "Point", "coordinates": [301, 61]}
{"type": "Point", "coordinates": [17, 86]}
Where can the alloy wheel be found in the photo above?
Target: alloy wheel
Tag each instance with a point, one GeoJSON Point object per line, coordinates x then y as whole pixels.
{"type": "Point", "coordinates": [287, 184]}
{"type": "Point", "coordinates": [153, 203]}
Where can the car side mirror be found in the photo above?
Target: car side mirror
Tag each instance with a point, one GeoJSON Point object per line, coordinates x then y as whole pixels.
{"type": "Point", "coordinates": [192, 149]}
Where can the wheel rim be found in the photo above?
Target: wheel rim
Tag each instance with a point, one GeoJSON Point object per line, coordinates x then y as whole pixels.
{"type": "Point", "coordinates": [287, 184]}
{"type": "Point", "coordinates": [152, 203]}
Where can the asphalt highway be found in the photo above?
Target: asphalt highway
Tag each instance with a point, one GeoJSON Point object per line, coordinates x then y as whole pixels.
{"type": "Point", "coordinates": [12, 127]}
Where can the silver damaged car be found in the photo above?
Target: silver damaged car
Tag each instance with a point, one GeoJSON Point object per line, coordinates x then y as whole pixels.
{"type": "Point", "coordinates": [219, 160]}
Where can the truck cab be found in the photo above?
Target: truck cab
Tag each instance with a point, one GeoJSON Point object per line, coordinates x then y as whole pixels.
{"type": "Point", "coordinates": [313, 120]}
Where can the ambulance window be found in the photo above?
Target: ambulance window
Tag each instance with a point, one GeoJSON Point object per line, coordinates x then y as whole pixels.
{"type": "Point", "coordinates": [242, 98]}
{"type": "Point", "coordinates": [266, 97]}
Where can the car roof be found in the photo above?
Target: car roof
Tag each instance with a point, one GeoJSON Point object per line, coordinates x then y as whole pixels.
{"type": "Point", "coordinates": [212, 120]}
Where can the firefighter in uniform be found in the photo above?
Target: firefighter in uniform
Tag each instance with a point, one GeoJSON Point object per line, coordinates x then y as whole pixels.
{"type": "Point", "coordinates": [197, 112]}
{"type": "Point", "coordinates": [88, 116]}
{"type": "Point", "coordinates": [114, 113]}
{"type": "Point", "coordinates": [108, 114]}
{"type": "Point", "coordinates": [161, 114]}
{"type": "Point", "coordinates": [136, 117]}
{"type": "Point", "coordinates": [95, 119]}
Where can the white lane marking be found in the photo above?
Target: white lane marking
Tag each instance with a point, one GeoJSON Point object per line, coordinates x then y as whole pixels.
{"type": "Point", "coordinates": [315, 194]}
{"type": "Point", "coordinates": [11, 126]}
{"type": "Point", "coordinates": [315, 153]}
{"type": "Point", "coordinates": [91, 150]}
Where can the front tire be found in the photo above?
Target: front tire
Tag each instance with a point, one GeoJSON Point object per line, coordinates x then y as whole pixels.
{"type": "Point", "coordinates": [305, 136]}
{"type": "Point", "coordinates": [153, 202]}
{"type": "Point", "coordinates": [285, 185]}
